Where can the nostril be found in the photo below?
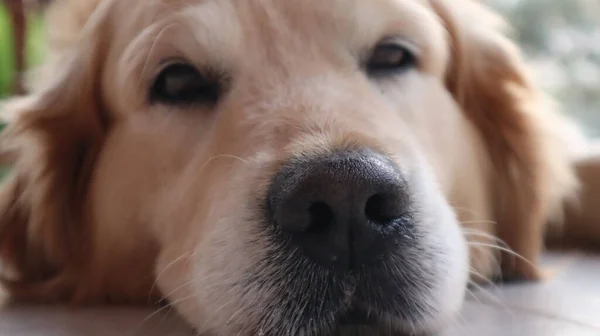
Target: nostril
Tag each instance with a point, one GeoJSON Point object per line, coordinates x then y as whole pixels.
{"type": "Point", "coordinates": [321, 217]}
{"type": "Point", "coordinates": [382, 209]}
{"type": "Point", "coordinates": [344, 209]}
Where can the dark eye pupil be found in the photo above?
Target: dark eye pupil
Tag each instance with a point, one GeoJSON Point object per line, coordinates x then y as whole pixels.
{"type": "Point", "coordinates": [183, 84]}
{"type": "Point", "coordinates": [390, 57]}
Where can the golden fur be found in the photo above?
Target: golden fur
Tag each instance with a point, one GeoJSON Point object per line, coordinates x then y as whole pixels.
{"type": "Point", "coordinates": [109, 195]}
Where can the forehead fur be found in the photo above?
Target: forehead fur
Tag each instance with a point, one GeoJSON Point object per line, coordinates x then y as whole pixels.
{"type": "Point", "coordinates": [282, 33]}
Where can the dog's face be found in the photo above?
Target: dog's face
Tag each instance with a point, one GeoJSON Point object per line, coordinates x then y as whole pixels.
{"type": "Point", "coordinates": [280, 167]}
{"type": "Point", "coordinates": [283, 158]}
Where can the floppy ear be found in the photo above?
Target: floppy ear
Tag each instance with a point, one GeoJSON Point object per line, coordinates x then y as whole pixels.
{"type": "Point", "coordinates": [531, 167]}
{"type": "Point", "coordinates": [53, 137]}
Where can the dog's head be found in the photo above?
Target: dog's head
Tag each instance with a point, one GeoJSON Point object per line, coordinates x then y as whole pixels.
{"type": "Point", "coordinates": [276, 167]}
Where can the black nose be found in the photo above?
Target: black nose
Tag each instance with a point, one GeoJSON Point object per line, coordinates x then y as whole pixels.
{"type": "Point", "coordinates": [343, 209]}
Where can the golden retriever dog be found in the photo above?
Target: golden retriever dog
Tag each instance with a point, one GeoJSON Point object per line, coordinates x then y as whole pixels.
{"type": "Point", "coordinates": [279, 167]}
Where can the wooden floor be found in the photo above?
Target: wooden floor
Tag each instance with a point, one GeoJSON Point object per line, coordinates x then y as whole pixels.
{"type": "Point", "coordinates": [567, 304]}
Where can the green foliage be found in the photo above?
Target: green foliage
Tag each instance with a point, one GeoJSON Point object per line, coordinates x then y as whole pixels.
{"type": "Point", "coordinates": [34, 47]}
{"type": "Point", "coordinates": [34, 55]}
{"type": "Point", "coordinates": [6, 59]}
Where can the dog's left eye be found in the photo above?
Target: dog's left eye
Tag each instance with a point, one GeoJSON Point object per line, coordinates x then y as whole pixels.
{"type": "Point", "coordinates": [390, 57]}
{"type": "Point", "coordinates": [181, 83]}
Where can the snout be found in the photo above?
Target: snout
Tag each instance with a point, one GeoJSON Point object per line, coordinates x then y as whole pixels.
{"type": "Point", "coordinates": [338, 241]}
{"type": "Point", "coordinates": [344, 209]}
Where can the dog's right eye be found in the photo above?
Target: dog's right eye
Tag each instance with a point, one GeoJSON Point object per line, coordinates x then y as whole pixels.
{"type": "Point", "coordinates": [389, 57]}
{"type": "Point", "coordinates": [182, 84]}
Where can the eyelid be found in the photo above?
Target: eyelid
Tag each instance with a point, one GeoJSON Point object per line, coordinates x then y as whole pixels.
{"type": "Point", "coordinates": [217, 70]}
{"type": "Point", "coordinates": [168, 61]}
{"type": "Point", "coordinates": [407, 43]}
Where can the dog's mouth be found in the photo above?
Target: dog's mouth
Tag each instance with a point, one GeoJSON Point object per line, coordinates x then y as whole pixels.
{"type": "Point", "coordinates": [358, 321]}
{"type": "Point", "coordinates": [359, 306]}
{"type": "Point", "coordinates": [382, 298]}
{"type": "Point", "coordinates": [357, 317]}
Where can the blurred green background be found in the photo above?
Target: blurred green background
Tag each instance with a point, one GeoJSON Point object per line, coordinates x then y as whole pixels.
{"type": "Point", "coordinates": [561, 39]}
{"type": "Point", "coordinates": [34, 47]}
{"type": "Point", "coordinates": [34, 54]}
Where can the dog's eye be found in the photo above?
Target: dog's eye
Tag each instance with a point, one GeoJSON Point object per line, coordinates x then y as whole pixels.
{"type": "Point", "coordinates": [390, 57]}
{"type": "Point", "coordinates": [181, 83]}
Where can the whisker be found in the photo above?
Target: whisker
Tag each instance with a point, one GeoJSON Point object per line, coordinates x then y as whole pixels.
{"type": "Point", "coordinates": [483, 290]}
{"type": "Point", "coordinates": [161, 309]}
{"type": "Point", "coordinates": [479, 233]}
{"type": "Point", "coordinates": [496, 301]}
{"type": "Point", "coordinates": [473, 295]}
{"type": "Point", "coordinates": [165, 315]}
{"type": "Point", "coordinates": [171, 264]}
{"type": "Point", "coordinates": [460, 323]}
{"type": "Point", "coordinates": [227, 294]}
{"type": "Point", "coordinates": [479, 222]}
{"type": "Point", "coordinates": [481, 276]}
{"type": "Point", "coordinates": [466, 210]}
{"type": "Point", "coordinates": [237, 312]}
{"type": "Point", "coordinates": [188, 283]}
{"type": "Point", "coordinates": [497, 258]}
{"type": "Point", "coordinates": [503, 249]}
{"type": "Point", "coordinates": [222, 156]}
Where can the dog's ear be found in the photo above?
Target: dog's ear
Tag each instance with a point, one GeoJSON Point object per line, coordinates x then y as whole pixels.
{"type": "Point", "coordinates": [53, 137]}
{"type": "Point", "coordinates": [531, 168]}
